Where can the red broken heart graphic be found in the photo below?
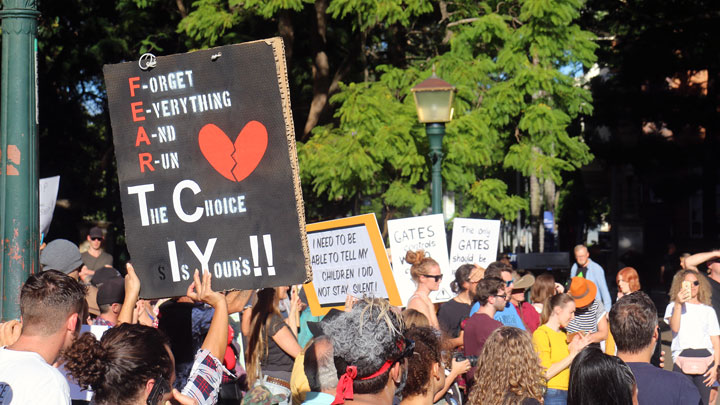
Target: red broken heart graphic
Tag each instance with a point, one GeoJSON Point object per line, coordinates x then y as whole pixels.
{"type": "Point", "coordinates": [234, 161]}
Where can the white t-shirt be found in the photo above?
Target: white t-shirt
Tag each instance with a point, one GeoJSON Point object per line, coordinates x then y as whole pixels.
{"type": "Point", "coordinates": [26, 378]}
{"type": "Point", "coordinates": [697, 323]}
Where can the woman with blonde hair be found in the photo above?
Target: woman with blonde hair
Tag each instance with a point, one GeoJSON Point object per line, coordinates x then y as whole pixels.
{"type": "Point", "coordinates": [696, 334]}
{"type": "Point", "coordinates": [512, 371]}
{"type": "Point", "coordinates": [426, 274]}
{"type": "Point", "coordinates": [272, 343]}
{"type": "Point", "coordinates": [553, 349]}
{"type": "Point", "coordinates": [413, 317]}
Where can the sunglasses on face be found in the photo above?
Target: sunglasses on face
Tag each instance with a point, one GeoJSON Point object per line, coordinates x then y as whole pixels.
{"type": "Point", "coordinates": [434, 277]}
{"type": "Point", "coordinates": [503, 296]}
{"type": "Point", "coordinates": [696, 283]}
{"type": "Point", "coordinates": [508, 283]}
{"type": "Point", "coordinates": [96, 238]}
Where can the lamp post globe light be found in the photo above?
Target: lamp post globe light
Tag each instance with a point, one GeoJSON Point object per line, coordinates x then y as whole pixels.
{"type": "Point", "coordinates": [433, 101]}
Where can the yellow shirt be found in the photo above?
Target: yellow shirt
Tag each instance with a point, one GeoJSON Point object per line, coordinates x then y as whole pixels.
{"type": "Point", "coordinates": [299, 385]}
{"type": "Point", "coordinates": [552, 347]}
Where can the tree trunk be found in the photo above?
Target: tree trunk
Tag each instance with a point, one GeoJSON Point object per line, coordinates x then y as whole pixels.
{"type": "Point", "coordinates": [287, 32]}
{"type": "Point", "coordinates": [535, 223]}
{"type": "Point", "coordinates": [320, 69]}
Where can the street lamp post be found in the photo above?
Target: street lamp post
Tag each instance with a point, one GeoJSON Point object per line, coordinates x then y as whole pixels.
{"type": "Point", "coordinates": [18, 153]}
{"type": "Point", "coordinates": [433, 100]}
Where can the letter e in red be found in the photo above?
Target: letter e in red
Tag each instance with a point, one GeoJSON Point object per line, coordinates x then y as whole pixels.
{"type": "Point", "coordinates": [137, 109]}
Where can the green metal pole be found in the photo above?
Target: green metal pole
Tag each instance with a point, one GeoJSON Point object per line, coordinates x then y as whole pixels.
{"type": "Point", "coordinates": [435, 132]}
{"type": "Point", "coordinates": [19, 148]}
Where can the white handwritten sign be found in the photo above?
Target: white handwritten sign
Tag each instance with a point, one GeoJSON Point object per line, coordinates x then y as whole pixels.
{"type": "Point", "coordinates": [347, 258]}
{"type": "Point", "coordinates": [474, 241]}
{"type": "Point", "coordinates": [426, 233]}
{"type": "Point", "coordinates": [48, 196]}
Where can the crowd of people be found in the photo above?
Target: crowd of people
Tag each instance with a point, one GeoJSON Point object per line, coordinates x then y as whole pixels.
{"type": "Point", "coordinates": [507, 337]}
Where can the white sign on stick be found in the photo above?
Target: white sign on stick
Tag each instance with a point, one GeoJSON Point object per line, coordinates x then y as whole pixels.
{"type": "Point", "coordinates": [426, 233]}
{"type": "Point", "coordinates": [48, 196]}
{"type": "Point", "coordinates": [474, 241]}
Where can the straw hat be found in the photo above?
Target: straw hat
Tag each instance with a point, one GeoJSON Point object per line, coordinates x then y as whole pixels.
{"type": "Point", "coordinates": [583, 291]}
{"type": "Point", "coordinates": [523, 282]}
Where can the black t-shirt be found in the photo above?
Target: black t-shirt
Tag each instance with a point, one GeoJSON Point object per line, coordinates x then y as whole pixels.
{"type": "Point", "coordinates": [277, 359]}
{"type": "Point", "coordinates": [715, 298]}
{"type": "Point", "coordinates": [451, 315]}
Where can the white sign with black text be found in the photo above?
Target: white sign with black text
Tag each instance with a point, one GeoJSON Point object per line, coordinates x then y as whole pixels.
{"type": "Point", "coordinates": [474, 241]}
{"type": "Point", "coordinates": [415, 233]}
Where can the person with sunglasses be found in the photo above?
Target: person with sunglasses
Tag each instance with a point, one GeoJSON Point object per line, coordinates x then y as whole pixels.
{"type": "Point", "coordinates": [426, 274]}
{"type": "Point", "coordinates": [491, 296]}
{"type": "Point", "coordinates": [508, 315]}
{"type": "Point", "coordinates": [695, 331]}
{"type": "Point", "coordinates": [95, 258]}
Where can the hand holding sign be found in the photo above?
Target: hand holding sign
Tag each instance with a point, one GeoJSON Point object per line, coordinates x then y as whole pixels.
{"type": "Point", "coordinates": [202, 290]}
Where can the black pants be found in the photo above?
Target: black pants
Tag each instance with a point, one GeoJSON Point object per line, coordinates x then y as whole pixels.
{"type": "Point", "coordinates": [697, 379]}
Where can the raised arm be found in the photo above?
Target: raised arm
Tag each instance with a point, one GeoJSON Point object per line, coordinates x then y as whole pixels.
{"type": "Point", "coordinates": [691, 262]}
{"type": "Point", "coordinates": [216, 338]}
{"type": "Point", "coordinates": [132, 292]}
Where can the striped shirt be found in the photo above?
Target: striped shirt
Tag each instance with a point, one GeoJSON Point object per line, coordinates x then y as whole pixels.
{"type": "Point", "coordinates": [586, 319]}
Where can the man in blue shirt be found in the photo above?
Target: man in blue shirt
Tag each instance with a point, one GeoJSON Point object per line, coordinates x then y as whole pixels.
{"type": "Point", "coordinates": [586, 268]}
{"type": "Point", "coordinates": [509, 315]}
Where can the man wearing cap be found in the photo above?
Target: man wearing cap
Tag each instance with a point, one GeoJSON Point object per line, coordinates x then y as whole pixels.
{"type": "Point", "coordinates": [585, 267]}
{"type": "Point", "coordinates": [52, 307]}
{"type": "Point", "coordinates": [590, 315]}
{"type": "Point", "coordinates": [64, 256]}
{"type": "Point", "coordinates": [110, 297]}
{"type": "Point", "coordinates": [96, 258]}
{"type": "Point", "coordinates": [369, 352]}
{"type": "Point", "coordinates": [529, 316]}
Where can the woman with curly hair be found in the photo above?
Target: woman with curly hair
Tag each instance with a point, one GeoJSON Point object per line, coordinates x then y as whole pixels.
{"type": "Point", "coordinates": [426, 274]}
{"type": "Point", "coordinates": [426, 374]}
{"type": "Point", "coordinates": [696, 334]}
{"type": "Point", "coordinates": [511, 371]}
{"type": "Point", "coordinates": [272, 343]}
{"type": "Point", "coordinates": [133, 364]}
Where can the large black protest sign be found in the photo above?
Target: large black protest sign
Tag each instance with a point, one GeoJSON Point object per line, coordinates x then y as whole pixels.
{"type": "Point", "coordinates": [208, 170]}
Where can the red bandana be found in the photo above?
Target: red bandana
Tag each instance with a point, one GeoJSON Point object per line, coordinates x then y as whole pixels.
{"type": "Point", "coordinates": [345, 384]}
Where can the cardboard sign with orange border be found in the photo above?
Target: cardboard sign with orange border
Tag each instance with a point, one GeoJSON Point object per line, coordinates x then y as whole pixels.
{"type": "Point", "coordinates": [348, 257]}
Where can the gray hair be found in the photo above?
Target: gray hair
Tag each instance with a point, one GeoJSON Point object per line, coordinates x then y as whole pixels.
{"type": "Point", "coordinates": [320, 366]}
{"type": "Point", "coordinates": [366, 337]}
